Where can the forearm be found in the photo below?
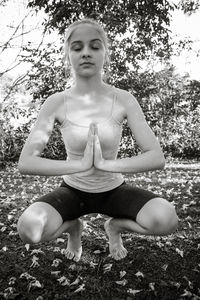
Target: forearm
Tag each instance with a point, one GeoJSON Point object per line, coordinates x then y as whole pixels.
{"type": "Point", "coordinates": [36, 165]}
{"type": "Point", "coordinates": [147, 161]}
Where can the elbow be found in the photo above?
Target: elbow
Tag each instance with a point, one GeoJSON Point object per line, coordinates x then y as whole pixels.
{"type": "Point", "coordinates": [161, 161]}
{"type": "Point", "coordinates": [22, 166]}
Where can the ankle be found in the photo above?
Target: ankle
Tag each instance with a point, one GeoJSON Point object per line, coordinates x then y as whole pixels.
{"type": "Point", "coordinates": [114, 226]}
{"type": "Point", "coordinates": [75, 226]}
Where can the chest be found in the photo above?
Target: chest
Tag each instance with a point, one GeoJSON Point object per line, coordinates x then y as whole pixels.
{"type": "Point", "coordinates": [87, 110]}
{"type": "Point", "coordinates": [76, 136]}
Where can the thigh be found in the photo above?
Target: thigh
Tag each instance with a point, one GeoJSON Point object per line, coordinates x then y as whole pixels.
{"type": "Point", "coordinates": [126, 201]}
{"type": "Point", "coordinates": [65, 201]}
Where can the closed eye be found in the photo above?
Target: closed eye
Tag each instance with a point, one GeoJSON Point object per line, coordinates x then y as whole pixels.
{"type": "Point", "coordinates": [76, 48]}
{"type": "Point", "coordinates": [95, 47]}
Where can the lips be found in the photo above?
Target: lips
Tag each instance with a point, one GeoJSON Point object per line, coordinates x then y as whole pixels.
{"type": "Point", "coordinates": [87, 63]}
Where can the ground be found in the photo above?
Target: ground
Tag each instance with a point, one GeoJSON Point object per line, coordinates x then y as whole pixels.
{"type": "Point", "coordinates": [155, 268]}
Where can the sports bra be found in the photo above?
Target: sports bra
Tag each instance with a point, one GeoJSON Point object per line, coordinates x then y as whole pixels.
{"type": "Point", "coordinates": [75, 139]}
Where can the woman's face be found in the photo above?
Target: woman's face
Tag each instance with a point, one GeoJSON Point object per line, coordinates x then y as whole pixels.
{"type": "Point", "coordinates": [86, 51]}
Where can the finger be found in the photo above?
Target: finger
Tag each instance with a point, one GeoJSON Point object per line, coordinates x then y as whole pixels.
{"type": "Point", "coordinates": [90, 141]}
{"type": "Point", "coordinates": [95, 129]}
{"type": "Point", "coordinates": [92, 128]}
{"type": "Point", "coordinates": [90, 137]}
{"type": "Point", "coordinates": [97, 140]}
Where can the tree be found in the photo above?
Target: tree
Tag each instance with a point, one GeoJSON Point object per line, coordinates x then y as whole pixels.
{"type": "Point", "coordinates": [136, 29]}
{"type": "Point", "coordinates": [189, 6]}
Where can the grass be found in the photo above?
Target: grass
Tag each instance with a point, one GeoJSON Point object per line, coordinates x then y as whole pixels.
{"type": "Point", "coordinates": [155, 268]}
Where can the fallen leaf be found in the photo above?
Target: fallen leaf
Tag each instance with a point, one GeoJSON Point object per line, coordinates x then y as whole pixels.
{"type": "Point", "coordinates": [97, 252]}
{"type": "Point", "coordinates": [80, 289]}
{"type": "Point", "coordinates": [34, 283]}
{"type": "Point", "coordinates": [76, 281]}
{"type": "Point", "coordinates": [122, 274]}
{"type": "Point", "coordinates": [27, 246]}
{"type": "Point", "coordinates": [56, 249]}
{"type": "Point", "coordinates": [168, 243]}
{"type": "Point", "coordinates": [56, 262]}
{"type": "Point", "coordinates": [187, 294]}
{"type": "Point", "coordinates": [63, 281]}
{"type": "Point", "coordinates": [3, 228]}
{"type": "Point", "coordinates": [37, 251]}
{"type": "Point", "coordinates": [133, 292]}
{"type": "Point", "coordinates": [180, 252]}
{"type": "Point", "coordinates": [160, 245]}
{"type": "Point", "coordinates": [107, 268]}
{"type": "Point", "coordinates": [152, 286]}
{"type": "Point", "coordinates": [164, 267]}
{"type": "Point", "coordinates": [34, 262]}
{"type": "Point", "coordinates": [189, 282]}
{"type": "Point", "coordinates": [139, 274]}
{"type": "Point", "coordinates": [72, 267]}
{"type": "Point", "coordinates": [92, 264]}
{"type": "Point", "coordinates": [56, 273]}
{"type": "Point", "coordinates": [12, 280]}
{"type": "Point", "coordinates": [122, 282]}
{"type": "Point", "coordinates": [176, 284]}
{"type": "Point", "coordinates": [26, 275]}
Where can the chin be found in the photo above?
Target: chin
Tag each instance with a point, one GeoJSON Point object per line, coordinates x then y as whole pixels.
{"type": "Point", "coordinates": [87, 74]}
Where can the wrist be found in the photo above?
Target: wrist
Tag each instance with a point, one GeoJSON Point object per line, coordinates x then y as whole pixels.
{"type": "Point", "coordinates": [75, 166]}
{"type": "Point", "coordinates": [106, 165]}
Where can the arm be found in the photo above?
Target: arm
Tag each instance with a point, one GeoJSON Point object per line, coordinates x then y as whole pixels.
{"type": "Point", "coordinates": [30, 161]}
{"type": "Point", "coordinates": [151, 157]}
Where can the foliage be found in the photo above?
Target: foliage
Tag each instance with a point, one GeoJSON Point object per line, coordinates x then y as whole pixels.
{"type": "Point", "coordinates": [189, 6]}
{"type": "Point", "coordinates": [145, 23]}
{"type": "Point", "coordinates": [171, 104]}
{"type": "Point", "coordinates": [16, 116]}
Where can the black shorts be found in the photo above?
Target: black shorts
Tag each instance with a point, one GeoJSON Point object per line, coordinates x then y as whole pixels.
{"type": "Point", "coordinates": [124, 201]}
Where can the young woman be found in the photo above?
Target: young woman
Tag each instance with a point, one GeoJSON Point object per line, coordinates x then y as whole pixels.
{"type": "Point", "coordinates": [90, 114]}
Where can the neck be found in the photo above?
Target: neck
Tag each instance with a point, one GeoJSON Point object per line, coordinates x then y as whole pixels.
{"type": "Point", "coordinates": [89, 85]}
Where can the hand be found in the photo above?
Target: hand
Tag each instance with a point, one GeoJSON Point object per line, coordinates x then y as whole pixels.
{"type": "Point", "coordinates": [88, 157]}
{"type": "Point", "coordinates": [99, 161]}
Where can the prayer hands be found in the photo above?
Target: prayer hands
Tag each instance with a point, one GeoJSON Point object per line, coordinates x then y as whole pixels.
{"type": "Point", "coordinates": [93, 154]}
{"type": "Point", "coordinates": [99, 161]}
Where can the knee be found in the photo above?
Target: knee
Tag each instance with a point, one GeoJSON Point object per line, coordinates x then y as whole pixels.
{"type": "Point", "coordinates": [165, 221]}
{"type": "Point", "coordinates": [30, 229]}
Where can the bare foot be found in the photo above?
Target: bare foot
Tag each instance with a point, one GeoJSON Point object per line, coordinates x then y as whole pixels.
{"type": "Point", "coordinates": [74, 247]}
{"type": "Point", "coordinates": [116, 247]}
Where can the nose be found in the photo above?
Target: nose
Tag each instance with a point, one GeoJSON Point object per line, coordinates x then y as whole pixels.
{"type": "Point", "coordinates": [86, 52]}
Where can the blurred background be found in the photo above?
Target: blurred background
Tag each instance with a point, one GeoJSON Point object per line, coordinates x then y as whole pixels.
{"type": "Point", "coordinates": [154, 49]}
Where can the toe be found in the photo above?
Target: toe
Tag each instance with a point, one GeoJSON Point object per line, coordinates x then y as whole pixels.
{"type": "Point", "coordinates": [69, 254]}
{"type": "Point", "coordinates": [76, 258]}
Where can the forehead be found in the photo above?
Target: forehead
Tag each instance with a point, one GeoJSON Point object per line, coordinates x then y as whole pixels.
{"type": "Point", "coordinates": [85, 32]}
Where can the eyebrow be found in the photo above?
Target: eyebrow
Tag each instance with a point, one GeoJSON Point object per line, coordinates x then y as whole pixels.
{"type": "Point", "coordinates": [93, 40]}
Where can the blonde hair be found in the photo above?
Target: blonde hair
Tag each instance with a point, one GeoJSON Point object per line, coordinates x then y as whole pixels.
{"type": "Point", "coordinates": [96, 26]}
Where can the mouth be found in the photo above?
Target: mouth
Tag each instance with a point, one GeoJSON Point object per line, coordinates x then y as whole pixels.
{"type": "Point", "coordinates": [87, 64]}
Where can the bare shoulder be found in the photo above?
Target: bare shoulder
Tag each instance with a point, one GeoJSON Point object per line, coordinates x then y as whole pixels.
{"type": "Point", "coordinates": [53, 107]}
{"type": "Point", "coordinates": [127, 100]}
{"type": "Point", "coordinates": [54, 101]}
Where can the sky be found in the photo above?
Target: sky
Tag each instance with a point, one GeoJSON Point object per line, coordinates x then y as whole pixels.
{"type": "Point", "coordinates": [182, 26]}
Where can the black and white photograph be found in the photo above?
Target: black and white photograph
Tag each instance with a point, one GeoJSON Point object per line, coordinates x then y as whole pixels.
{"type": "Point", "coordinates": [99, 149]}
